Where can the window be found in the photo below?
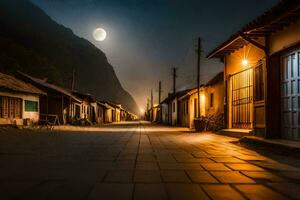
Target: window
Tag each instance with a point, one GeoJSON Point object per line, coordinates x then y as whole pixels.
{"type": "Point", "coordinates": [259, 83]}
{"type": "Point", "coordinates": [173, 106]}
{"type": "Point", "coordinates": [31, 106]}
{"type": "Point", "coordinates": [211, 104]}
{"type": "Point", "coordinates": [10, 107]}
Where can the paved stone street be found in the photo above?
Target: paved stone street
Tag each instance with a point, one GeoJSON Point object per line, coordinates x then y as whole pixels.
{"type": "Point", "coordinates": [139, 161]}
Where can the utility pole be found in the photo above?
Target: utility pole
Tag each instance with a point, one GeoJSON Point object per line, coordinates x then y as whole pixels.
{"type": "Point", "coordinates": [174, 79]}
{"type": "Point", "coordinates": [152, 110]}
{"type": "Point", "coordinates": [199, 50]}
{"type": "Point", "coordinates": [159, 92]}
{"type": "Point", "coordinates": [159, 100]}
{"type": "Point", "coordinates": [147, 111]}
{"type": "Point", "coordinates": [151, 98]}
{"type": "Point", "coordinates": [71, 110]}
{"type": "Point", "coordinates": [73, 80]}
{"type": "Point", "coordinates": [148, 104]}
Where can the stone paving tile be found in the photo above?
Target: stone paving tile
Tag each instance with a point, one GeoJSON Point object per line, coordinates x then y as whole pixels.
{"type": "Point", "coordinates": [147, 176]}
{"type": "Point", "coordinates": [250, 157]}
{"type": "Point", "coordinates": [291, 175]}
{"type": "Point", "coordinates": [188, 166]}
{"type": "Point", "coordinates": [267, 176]}
{"type": "Point", "coordinates": [259, 192]}
{"type": "Point", "coordinates": [244, 167]}
{"type": "Point", "coordinates": [123, 165]}
{"type": "Point", "coordinates": [45, 189]}
{"type": "Point", "coordinates": [165, 158]}
{"type": "Point", "coordinates": [194, 160]}
{"type": "Point", "coordinates": [12, 189]}
{"type": "Point", "coordinates": [215, 167]}
{"type": "Point", "coordinates": [73, 190]}
{"type": "Point", "coordinates": [119, 176]}
{"type": "Point", "coordinates": [175, 176]}
{"type": "Point", "coordinates": [289, 189]}
{"type": "Point", "coordinates": [127, 157]}
{"type": "Point", "coordinates": [278, 166]}
{"type": "Point", "coordinates": [222, 192]}
{"type": "Point", "coordinates": [147, 166]}
{"type": "Point", "coordinates": [58, 190]}
{"type": "Point", "coordinates": [146, 158]}
{"type": "Point", "coordinates": [185, 192]}
{"type": "Point", "coordinates": [201, 177]}
{"type": "Point", "coordinates": [217, 153]}
{"type": "Point", "coordinates": [177, 166]}
{"type": "Point", "coordinates": [150, 192]}
{"type": "Point", "coordinates": [111, 191]}
{"type": "Point", "coordinates": [231, 177]}
{"type": "Point", "coordinates": [200, 154]}
{"type": "Point", "coordinates": [228, 160]}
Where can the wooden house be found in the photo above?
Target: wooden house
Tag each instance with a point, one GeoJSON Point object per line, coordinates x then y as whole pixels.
{"type": "Point", "coordinates": [153, 113]}
{"type": "Point", "coordinates": [59, 106]}
{"type": "Point", "coordinates": [211, 102]}
{"type": "Point", "coordinates": [99, 109]}
{"type": "Point", "coordinates": [164, 113]}
{"type": "Point", "coordinates": [214, 95]}
{"type": "Point", "coordinates": [188, 107]}
{"type": "Point", "coordinates": [116, 112]}
{"type": "Point", "coordinates": [167, 110]}
{"type": "Point", "coordinates": [19, 101]}
{"type": "Point", "coordinates": [88, 106]}
{"type": "Point", "coordinates": [171, 108]}
{"type": "Point", "coordinates": [109, 113]}
{"type": "Point", "coordinates": [262, 77]}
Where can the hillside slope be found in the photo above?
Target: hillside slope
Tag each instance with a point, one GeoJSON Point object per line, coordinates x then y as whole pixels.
{"type": "Point", "coordinates": [30, 41]}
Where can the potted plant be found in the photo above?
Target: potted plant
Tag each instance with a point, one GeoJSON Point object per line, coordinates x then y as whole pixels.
{"type": "Point", "coordinates": [199, 124]}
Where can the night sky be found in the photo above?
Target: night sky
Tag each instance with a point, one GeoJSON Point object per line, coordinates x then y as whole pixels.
{"type": "Point", "coordinates": [146, 38]}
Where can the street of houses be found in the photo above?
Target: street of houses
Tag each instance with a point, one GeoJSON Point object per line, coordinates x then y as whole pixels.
{"type": "Point", "coordinates": [182, 151]}
{"type": "Point", "coordinates": [28, 101]}
{"type": "Point", "coordinates": [258, 92]}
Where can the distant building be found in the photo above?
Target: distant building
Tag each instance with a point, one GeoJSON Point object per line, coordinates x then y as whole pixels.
{"type": "Point", "coordinates": [60, 106]}
{"type": "Point", "coordinates": [88, 106]}
{"type": "Point", "coordinates": [171, 107]}
{"type": "Point", "coordinates": [99, 109]}
{"type": "Point", "coordinates": [153, 113]}
{"type": "Point", "coordinates": [64, 106]}
{"type": "Point", "coordinates": [211, 102]}
{"type": "Point", "coordinates": [19, 101]}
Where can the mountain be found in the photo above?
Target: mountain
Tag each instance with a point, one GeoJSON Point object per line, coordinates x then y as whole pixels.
{"type": "Point", "coordinates": [31, 42]}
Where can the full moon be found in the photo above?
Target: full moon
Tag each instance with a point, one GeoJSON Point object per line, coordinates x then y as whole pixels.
{"type": "Point", "coordinates": [99, 34]}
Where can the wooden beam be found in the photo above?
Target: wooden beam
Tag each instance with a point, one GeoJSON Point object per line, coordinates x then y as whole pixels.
{"type": "Point", "coordinates": [253, 42]}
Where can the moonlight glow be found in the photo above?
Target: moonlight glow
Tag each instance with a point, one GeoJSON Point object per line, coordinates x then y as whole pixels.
{"type": "Point", "coordinates": [99, 34]}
